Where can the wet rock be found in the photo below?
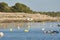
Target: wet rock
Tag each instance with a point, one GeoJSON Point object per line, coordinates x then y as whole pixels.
{"type": "Point", "coordinates": [51, 32]}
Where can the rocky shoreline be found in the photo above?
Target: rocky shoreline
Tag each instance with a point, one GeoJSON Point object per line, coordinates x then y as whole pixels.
{"type": "Point", "coordinates": [26, 17]}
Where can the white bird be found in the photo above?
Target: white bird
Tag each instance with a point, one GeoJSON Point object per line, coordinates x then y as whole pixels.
{"type": "Point", "coordinates": [11, 29]}
{"type": "Point", "coordinates": [28, 18]}
{"type": "Point", "coordinates": [18, 27]}
{"type": "Point", "coordinates": [43, 29]}
{"type": "Point", "coordinates": [1, 34]}
{"type": "Point", "coordinates": [31, 18]}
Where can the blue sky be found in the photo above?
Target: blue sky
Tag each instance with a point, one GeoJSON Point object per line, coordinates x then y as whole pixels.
{"type": "Point", "coordinates": [38, 5]}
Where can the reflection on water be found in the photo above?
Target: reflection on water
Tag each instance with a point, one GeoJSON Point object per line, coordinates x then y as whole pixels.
{"type": "Point", "coordinates": [11, 25]}
{"type": "Point", "coordinates": [29, 31]}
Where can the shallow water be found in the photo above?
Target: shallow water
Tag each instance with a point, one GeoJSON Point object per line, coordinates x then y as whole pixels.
{"type": "Point", "coordinates": [35, 32]}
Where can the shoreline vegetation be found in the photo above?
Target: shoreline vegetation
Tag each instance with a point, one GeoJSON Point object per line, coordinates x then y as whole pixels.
{"type": "Point", "coordinates": [22, 13]}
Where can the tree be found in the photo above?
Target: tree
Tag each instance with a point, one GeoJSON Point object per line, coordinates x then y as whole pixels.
{"type": "Point", "coordinates": [4, 7]}
{"type": "Point", "coordinates": [20, 8]}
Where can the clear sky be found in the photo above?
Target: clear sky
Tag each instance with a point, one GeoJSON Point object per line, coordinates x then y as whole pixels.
{"type": "Point", "coordinates": [38, 5]}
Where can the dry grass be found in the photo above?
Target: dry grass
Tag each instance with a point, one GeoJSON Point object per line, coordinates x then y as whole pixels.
{"type": "Point", "coordinates": [24, 16]}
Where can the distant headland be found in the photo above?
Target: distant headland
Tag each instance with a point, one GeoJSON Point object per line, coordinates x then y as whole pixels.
{"type": "Point", "coordinates": [22, 13]}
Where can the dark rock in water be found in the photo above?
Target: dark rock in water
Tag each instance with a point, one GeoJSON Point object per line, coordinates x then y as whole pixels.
{"type": "Point", "coordinates": [54, 32]}
{"type": "Point", "coordinates": [51, 32]}
{"type": "Point", "coordinates": [58, 25]}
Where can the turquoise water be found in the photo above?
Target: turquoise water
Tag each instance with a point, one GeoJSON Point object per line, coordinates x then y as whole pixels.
{"type": "Point", "coordinates": [35, 32]}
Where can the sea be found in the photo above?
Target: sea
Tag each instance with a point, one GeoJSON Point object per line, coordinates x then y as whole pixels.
{"type": "Point", "coordinates": [16, 31]}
